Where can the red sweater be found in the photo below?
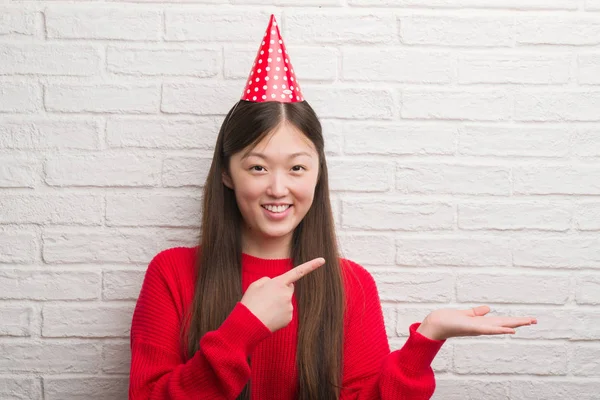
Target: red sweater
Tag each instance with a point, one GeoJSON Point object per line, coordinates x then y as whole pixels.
{"type": "Point", "coordinates": [220, 370]}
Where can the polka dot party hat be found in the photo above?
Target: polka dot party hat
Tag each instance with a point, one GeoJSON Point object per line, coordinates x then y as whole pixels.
{"type": "Point", "coordinates": [272, 76]}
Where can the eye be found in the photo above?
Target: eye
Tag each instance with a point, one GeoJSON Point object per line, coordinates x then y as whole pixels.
{"type": "Point", "coordinates": [298, 168]}
{"type": "Point", "coordinates": [257, 168]}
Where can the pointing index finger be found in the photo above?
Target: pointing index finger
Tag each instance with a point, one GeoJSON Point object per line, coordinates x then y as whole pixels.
{"type": "Point", "coordinates": [303, 269]}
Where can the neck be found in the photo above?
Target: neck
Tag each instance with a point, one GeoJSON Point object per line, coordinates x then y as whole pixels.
{"type": "Point", "coordinates": [266, 247]}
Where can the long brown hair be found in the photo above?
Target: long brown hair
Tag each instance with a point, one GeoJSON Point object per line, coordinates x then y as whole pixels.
{"type": "Point", "coordinates": [320, 294]}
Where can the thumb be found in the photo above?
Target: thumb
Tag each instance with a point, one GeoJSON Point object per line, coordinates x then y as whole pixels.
{"type": "Point", "coordinates": [479, 311]}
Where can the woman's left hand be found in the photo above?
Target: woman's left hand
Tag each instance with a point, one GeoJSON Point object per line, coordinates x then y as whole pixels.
{"type": "Point", "coordinates": [447, 323]}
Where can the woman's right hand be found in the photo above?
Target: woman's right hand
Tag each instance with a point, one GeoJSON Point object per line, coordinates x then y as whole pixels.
{"type": "Point", "coordinates": [270, 300]}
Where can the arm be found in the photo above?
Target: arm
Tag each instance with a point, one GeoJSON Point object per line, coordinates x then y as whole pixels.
{"type": "Point", "coordinates": [218, 370]}
{"type": "Point", "coordinates": [370, 371]}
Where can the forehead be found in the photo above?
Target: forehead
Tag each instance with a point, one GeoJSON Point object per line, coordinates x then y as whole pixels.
{"type": "Point", "coordinates": [285, 140]}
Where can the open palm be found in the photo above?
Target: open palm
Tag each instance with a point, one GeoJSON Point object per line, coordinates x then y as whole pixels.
{"type": "Point", "coordinates": [446, 323]}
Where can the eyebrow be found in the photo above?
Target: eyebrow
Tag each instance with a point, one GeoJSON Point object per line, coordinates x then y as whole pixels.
{"type": "Point", "coordinates": [264, 157]}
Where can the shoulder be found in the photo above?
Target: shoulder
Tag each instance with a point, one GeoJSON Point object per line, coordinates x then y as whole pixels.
{"type": "Point", "coordinates": [172, 262]}
{"type": "Point", "coordinates": [357, 280]}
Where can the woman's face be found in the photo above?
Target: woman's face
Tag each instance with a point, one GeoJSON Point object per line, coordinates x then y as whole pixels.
{"type": "Point", "coordinates": [274, 183]}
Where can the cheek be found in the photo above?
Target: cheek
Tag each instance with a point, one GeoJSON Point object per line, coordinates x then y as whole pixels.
{"type": "Point", "coordinates": [248, 193]}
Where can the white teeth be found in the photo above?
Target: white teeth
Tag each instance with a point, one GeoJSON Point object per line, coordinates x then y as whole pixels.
{"type": "Point", "coordinates": [277, 209]}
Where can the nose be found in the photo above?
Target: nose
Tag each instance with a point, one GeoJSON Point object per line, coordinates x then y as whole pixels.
{"type": "Point", "coordinates": [278, 186]}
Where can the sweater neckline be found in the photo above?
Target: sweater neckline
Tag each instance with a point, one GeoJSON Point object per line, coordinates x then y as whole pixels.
{"type": "Point", "coordinates": [269, 266]}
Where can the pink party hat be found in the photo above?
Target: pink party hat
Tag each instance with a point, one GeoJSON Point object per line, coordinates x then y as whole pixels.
{"type": "Point", "coordinates": [272, 76]}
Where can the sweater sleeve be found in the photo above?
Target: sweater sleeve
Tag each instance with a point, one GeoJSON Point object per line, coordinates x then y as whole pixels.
{"type": "Point", "coordinates": [218, 370]}
{"type": "Point", "coordinates": [371, 372]}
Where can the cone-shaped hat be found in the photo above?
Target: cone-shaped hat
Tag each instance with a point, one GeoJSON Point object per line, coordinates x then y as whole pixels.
{"type": "Point", "coordinates": [272, 76]}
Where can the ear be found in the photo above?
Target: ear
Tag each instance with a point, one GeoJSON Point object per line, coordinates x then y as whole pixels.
{"type": "Point", "coordinates": [227, 180]}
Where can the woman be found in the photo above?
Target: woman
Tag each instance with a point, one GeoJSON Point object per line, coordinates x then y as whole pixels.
{"type": "Point", "coordinates": [264, 307]}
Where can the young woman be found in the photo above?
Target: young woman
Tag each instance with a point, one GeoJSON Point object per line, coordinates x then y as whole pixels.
{"type": "Point", "coordinates": [264, 308]}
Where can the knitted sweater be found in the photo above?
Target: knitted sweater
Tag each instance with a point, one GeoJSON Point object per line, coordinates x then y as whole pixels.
{"type": "Point", "coordinates": [220, 369]}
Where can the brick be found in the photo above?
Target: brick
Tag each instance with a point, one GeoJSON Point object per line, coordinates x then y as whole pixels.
{"type": "Point", "coordinates": [333, 136]}
{"type": "Point", "coordinates": [510, 358]}
{"type": "Point", "coordinates": [583, 359]}
{"type": "Point", "coordinates": [28, 284]}
{"type": "Point", "coordinates": [20, 97]}
{"type": "Point", "coordinates": [392, 138]}
{"type": "Point", "coordinates": [86, 321]}
{"type": "Point", "coordinates": [554, 323]}
{"type": "Point", "coordinates": [49, 357]}
{"type": "Point", "coordinates": [159, 133]}
{"type": "Point", "coordinates": [394, 65]}
{"type": "Point", "coordinates": [389, 318]}
{"type": "Point", "coordinates": [457, 31]}
{"type": "Point", "coordinates": [558, 30]}
{"type": "Point", "coordinates": [51, 209]}
{"type": "Point", "coordinates": [89, 388]}
{"type": "Point", "coordinates": [49, 59]}
{"type": "Point", "coordinates": [568, 179]}
{"type": "Point", "coordinates": [206, 25]}
{"type": "Point", "coordinates": [456, 105]}
{"type": "Point", "coordinates": [18, 172]}
{"type": "Point", "coordinates": [592, 5]}
{"type": "Point", "coordinates": [359, 103]}
{"type": "Point", "coordinates": [511, 140]}
{"type": "Point", "coordinates": [86, 246]}
{"type": "Point", "coordinates": [402, 286]}
{"type": "Point", "coordinates": [116, 358]}
{"type": "Point", "coordinates": [153, 210]}
{"type": "Point", "coordinates": [200, 98]}
{"type": "Point", "coordinates": [18, 247]}
{"type": "Point", "coordinates": [103, 170]}
{"type": "Point", "coordinates": [453, 251]}
{"type": "Point", "coordinates": [485, 4]}
{"type": "Point", "coordinates": [199, 63]}
{"type": "Point", "coordinates": [43, 134]}
{"type": "Point", "coordinates": [16, 20]}
{"type": "Point", "coordinates": [514, 215]}
{"type": "Point", "coordinates": [185, 171]}
{"type": "Point", "coordinates": [390, 214]}
{"type": "Point", "coordinates": [16, 321]}
{"type": "Point", "coordinates": [553, 390]}
{"type": "Point", "coordinates": [359, 176]}
{"type": "Point", "coordinates": [101, 97]}
{"type": "Point", "coordinates": [515, 68]}
{"type": "Point", "coordinates": [586, 142]}
{"type": "Point", "coordinates": [471, 389]}
{"type": "Point", "coordinates": [408, 315]}
{"type": "Point", "coordinates": [587, 289]}
{"type": "Point", "coordinates": [95, 22]}
{"type": "Point", "coordinates": [122, 284]}
{"type": "Point", "coordinates": [452, 179]}
{"type": "Point", "coordinates": [512, 288]}
{"type": "Point", "coordinates": [368, 249]}
{"type": "Point", "coordinates": [295, 3]}
{"type": "Point", "coordinates": [557, 106]}
{"type": "Point", "coordinates": [587, 216]}
{"type": "Point", "coordinates": [588, 69]}
{"type": "Point", "coordinates": [333, 27]}
{"type": "Point", "coordinates": [559, 252]}
{"type": "Point", "coordinates": [311, 63]}
{"type": "Point", "coordinates": [19, 388]}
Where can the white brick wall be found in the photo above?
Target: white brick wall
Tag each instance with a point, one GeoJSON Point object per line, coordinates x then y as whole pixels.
{"type": "Point", "coordinates": [463, 138]}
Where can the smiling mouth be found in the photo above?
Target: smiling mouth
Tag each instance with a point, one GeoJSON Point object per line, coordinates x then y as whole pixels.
{"type": "Point", "coordinates": [276, 209]}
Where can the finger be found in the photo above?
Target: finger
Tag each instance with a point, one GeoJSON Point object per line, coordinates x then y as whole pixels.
{"type": "Point", "coordinates": [301, 270]}
{"type": "Point", "coordinates": [516, 322]}
{"type": "Point", "coordinates": [477, 311]}
{"type": "Point", "coordinates": [261, 281]}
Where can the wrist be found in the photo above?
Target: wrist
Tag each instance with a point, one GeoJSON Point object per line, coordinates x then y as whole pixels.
{"type": "Point", "coordinates": [428, 330]}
